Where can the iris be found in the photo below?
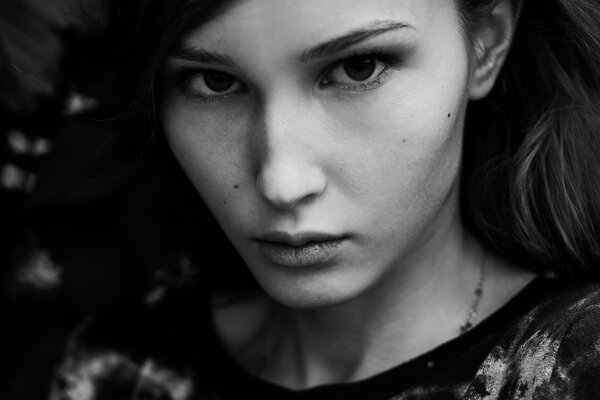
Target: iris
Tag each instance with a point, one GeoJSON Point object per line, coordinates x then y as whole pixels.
{"type": "Point", "coordinates": [360, 68]}
{"type": "Point", "coordinates": [217, 81]}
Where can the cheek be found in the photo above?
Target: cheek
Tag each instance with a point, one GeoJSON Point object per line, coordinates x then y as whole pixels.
{"type": "Point", "coordinates": [209, 147]}
{"type": "Point", "coordinates": [412, 140]}
{"type": "Point", "coordinates": [405, 154]}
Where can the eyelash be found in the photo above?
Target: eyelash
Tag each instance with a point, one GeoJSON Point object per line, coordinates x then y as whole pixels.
{"type": "Point", "coordinates": [389, 61]}
{"type": "Point", "coordinates": [183, 79]}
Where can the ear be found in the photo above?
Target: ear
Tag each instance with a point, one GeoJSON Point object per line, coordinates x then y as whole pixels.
{"type": "Point", "coordinates": [491, 43]}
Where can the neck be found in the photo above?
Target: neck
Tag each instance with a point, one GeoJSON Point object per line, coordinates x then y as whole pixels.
{"type": "Point", "coordinates": [420, 305]}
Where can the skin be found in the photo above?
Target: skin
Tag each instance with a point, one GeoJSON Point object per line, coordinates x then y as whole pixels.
{"type": "Point", "coordinates": [285, 152]}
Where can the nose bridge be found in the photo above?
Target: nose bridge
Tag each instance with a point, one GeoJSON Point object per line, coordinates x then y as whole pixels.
{"type": "Point", "coordinates": [289, 172]}
{"type": "Point", "coordinates": [285, 136]}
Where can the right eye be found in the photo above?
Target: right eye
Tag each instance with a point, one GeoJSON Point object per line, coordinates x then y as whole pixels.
{"type": "Point", "coordinates": [212, 85]}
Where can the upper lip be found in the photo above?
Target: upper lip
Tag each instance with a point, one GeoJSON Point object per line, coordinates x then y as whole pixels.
{"type": "Point", "coordinates": [298, 239]}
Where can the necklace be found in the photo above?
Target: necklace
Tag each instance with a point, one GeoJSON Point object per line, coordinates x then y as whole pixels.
{"type": "Point", "coordinates": [271, 345]}
{"type": "Point", "coordinates": [472, 313]}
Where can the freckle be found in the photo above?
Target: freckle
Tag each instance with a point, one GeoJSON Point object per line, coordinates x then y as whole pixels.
{"type": "Point", "coordinates": [236, 186]}
{"type": "Point", "coordinates": [403, 140]}
{"type": "Point", "coordinates": [224, 201]}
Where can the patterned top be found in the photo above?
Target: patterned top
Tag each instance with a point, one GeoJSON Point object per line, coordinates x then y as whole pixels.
{"type": "Point", "coordinates": [543, 344]}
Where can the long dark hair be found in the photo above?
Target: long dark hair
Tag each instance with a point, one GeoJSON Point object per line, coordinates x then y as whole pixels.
{"type": "Point", "coordinates": [531, 171]}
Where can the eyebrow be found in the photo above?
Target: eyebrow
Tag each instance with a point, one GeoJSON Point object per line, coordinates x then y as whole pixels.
{"type": "Point", "coordinates": [355, 36]}
{"type": "Point", "coordinates": [323, 50]}
{"type": "Point", "coordinates": [201, 56]}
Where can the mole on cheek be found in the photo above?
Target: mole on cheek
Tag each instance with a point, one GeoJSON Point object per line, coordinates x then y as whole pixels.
{"type": "Point", "coordinates": [236, 186]}
{"type": "Point", "coordinates": [449, 114]}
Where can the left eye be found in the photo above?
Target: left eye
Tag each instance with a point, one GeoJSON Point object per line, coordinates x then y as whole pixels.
{"type": "Point", "coordinates": [358, 70]}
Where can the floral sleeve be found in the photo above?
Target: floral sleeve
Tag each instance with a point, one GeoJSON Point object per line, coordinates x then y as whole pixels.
{"type": "Point", "coordinates": [109, 375]}
{"type": "Point", "coordinates": [576, 372]}
{"type": "Point", "coordinates": [132, 354]}
{"type": "Point", "coordinates": [553, 353]}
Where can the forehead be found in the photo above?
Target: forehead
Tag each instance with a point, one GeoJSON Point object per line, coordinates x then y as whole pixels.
{"type": "Point", "coordinates": [288, 26]}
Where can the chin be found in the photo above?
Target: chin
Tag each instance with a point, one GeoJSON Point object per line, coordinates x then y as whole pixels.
{"type": "Point", "coordinates": [311, 290]}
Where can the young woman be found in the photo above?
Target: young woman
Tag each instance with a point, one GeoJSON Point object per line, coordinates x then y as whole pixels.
{"type": "Point", "coordinates": [412, 185]}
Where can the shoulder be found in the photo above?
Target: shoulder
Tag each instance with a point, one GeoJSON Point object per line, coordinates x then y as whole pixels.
{"type": "Point", "coordinates": [553, 352]}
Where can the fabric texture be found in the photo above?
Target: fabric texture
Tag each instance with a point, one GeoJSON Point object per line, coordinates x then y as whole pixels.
{"type": "Point", "coordinates": [543, 344]}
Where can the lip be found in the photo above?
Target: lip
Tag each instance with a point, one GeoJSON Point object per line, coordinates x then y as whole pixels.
{"type": "Point", "coordinates": [300, 250]}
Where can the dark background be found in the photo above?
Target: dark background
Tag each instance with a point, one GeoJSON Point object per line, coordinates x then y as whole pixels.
{"type": "Point", "coordinates": [61, 259]}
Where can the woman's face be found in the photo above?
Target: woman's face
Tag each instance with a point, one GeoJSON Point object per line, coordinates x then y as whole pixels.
{"type": "Point", "coordinates": [325, 136]}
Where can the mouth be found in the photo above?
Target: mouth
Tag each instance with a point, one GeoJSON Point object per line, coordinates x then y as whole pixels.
{"type": "Point", "coordinates": [300, 250]}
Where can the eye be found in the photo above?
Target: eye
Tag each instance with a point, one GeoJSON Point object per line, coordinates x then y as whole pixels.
{"type": "Point", "coordinates": [357, 72]}
{"type": "Point", "coordinates": [360, 69]}
{"type": "Point", "coordinates": [212, 84]}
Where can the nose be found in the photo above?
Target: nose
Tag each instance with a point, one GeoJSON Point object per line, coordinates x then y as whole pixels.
{"type": "Point", "coordinates": [289, 172]}
{"type": "Point", "coordinates": [285, 183]}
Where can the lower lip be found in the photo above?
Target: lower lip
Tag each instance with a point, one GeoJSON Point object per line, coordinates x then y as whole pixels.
{"type": "Point", "coordinates": [311, 254]}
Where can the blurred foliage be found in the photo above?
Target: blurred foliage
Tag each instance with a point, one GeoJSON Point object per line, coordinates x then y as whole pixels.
{"type": "Point", "coordinates": [60, 260]}
{"type": "Point", "coordinates": [30, 52]}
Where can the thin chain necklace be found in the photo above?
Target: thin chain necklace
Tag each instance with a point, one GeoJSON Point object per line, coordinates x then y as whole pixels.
{"type": "Point", "coordinates": [472, 313]}
{"type": "Point", "coordinates": [272, 344]}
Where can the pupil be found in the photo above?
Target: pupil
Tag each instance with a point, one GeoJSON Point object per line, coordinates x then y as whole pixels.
{"type": "Point", "coordinates": [360, 69]}
{"type": "Point", "coordinates": [218, 82]}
